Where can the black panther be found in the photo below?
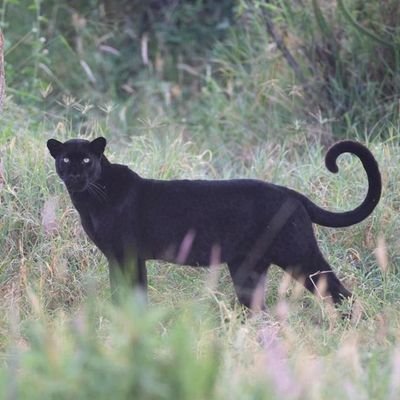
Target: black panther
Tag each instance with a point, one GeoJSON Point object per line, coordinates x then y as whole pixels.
{"type": "Point", "coordinates": [247, 224]}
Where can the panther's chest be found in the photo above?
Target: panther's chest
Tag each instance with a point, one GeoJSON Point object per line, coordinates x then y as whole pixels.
{"type": "Point", "coordinates": [99, 226]}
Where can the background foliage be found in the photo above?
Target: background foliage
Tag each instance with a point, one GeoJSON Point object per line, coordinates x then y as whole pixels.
{"type": "Point", "coordinates": [343, 65]}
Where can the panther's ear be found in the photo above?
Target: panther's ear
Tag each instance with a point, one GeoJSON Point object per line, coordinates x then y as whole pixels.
{"type": "Point", "coordinates": [98, 145]}
{"type": "Point", "coordinates": [55, 147]}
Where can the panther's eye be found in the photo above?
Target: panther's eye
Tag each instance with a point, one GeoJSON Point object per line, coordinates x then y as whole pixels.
{"type": "Point", "coordinates": [86, 160]}
{"type": "Point", "coordinates": [66, 160]}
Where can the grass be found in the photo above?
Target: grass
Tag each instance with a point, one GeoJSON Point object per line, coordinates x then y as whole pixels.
{"type": "Point", "coordinates": [61, 337]}
{"type": "Point", "coordinates": [235, 110]}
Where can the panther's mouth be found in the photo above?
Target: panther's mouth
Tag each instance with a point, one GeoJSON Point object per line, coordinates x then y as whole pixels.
{"type": "Point", "coordinates": [76, 184]}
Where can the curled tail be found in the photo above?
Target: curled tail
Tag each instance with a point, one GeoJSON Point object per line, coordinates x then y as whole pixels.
{"type": "Point", "coordinates": [337, 220]}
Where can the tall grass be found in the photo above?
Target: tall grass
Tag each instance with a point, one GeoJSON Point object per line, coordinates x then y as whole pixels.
{"type": "Point", "coordinates": [61, 337]}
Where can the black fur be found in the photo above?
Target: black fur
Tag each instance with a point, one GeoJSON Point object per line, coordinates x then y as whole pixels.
{"type": "Point", "coordinates": [248, 224]}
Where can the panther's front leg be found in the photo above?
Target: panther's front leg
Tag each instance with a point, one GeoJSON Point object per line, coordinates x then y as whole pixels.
{"type": "Point", "coordinates": [127, 271]}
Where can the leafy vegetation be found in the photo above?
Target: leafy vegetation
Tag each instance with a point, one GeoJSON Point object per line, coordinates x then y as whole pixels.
{"type": "Point", "coordinates": [217, 99]}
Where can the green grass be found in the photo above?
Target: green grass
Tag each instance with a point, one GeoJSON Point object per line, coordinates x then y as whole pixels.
{"type": "Point", "coordinates": [62, 338]}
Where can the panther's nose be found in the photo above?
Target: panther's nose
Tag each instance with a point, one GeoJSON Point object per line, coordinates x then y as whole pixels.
{"type": "Point", "coordinates": [75, 176]}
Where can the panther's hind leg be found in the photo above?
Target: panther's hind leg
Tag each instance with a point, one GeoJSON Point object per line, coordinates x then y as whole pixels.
{"type": "Point", "coordinates": [317, 276]}
{"type": "Point", "coordinates": [249, 283]}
